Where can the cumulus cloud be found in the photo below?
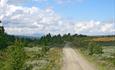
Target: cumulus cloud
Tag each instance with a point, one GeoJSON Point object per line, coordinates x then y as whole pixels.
{"type": "Point", "coordinates": [67, 1]}
{"type": "Point", "coordinates": [19, 20]}
{"type": "Point", "coordinates": [40, 1]}
{"type": "Point", "coordinates": [61, 2]}
{"type": "Point", "coordinates": [86, 26]}
{"type": "Point", "coordinates": [108, 27]}
{"type": "Point", "coordinates": [15, 1]}
{"type": "Point", "coordinates": [22, 2]}
{"type": "Point", "coordinates": [95, 27]}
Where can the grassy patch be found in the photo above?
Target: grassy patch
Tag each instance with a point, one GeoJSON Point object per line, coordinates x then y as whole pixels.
{"type": "Point", "coordinates": [106, 61]}
{"type": "Point", "coordinates": [104, 39]}
{"type": "Point", "coordinates": [38, 60]}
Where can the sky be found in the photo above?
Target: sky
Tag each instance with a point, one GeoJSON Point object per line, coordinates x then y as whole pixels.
{"type": "Point", "coordinates": [39, 17]}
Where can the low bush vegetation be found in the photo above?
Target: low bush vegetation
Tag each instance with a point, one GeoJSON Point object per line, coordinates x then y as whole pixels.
{"type": "Point", "coordinates": [98, 50]}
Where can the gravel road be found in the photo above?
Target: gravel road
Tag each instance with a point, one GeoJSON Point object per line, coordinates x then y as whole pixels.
{"type": "Point", "coordinates": [72, 60]}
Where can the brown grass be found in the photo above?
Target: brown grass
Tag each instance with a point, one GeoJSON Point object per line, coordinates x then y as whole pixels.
{"type": "Point", "coordinates": [104, 39]}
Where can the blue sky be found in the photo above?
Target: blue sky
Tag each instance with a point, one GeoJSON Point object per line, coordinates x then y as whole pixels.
{"type": "Point", "coordinates": [35, 17]}
{"type": "Point", "coordinates": [85, 10]}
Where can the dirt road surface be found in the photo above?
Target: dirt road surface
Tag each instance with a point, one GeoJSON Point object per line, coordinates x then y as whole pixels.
{"type": "Point", "coordinates": [72, 60]}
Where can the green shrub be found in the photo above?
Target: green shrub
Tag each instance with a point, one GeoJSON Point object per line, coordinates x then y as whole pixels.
{"type": "Point", "coordinates": [3, 41]}
{"type": "Point", "coordinates": [45, 49]}
{"type": "Point", "coordinates": [93, 48]}
{"type": "Point", "coordinates": [16, 57]}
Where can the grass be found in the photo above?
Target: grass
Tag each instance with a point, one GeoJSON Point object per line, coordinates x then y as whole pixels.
{"type": "Point", "coordinates": [106, 61]}
{"type": "Point", "coordinates": [48, 61]}
{"type": "Point", "coordinates": [104, 39]}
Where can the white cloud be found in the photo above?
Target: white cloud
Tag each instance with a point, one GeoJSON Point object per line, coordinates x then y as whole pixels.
{"type": "Point", "coordinates": [95, 27]}
{"type": "Point", "coordinates": [40, 0]}
{"type": "Point", "coordinates": [20, 20]}
{"type": "Point", "coordinates": [46, 2]}
{"type": "Point", "coordinates": [86, 26]}
{"type": "Point", "coordinates": [21, 31]}
{"type": "Point", "coordinates": [3, 3]}
{"type": "Point", "coordinates": [68, 1]}
{"type": "Point", "coordinates": [22, 2]}
{"type": "Point", "coordinates": [108, 27]}
{"type": "Point", "coordinates": [17, 2]}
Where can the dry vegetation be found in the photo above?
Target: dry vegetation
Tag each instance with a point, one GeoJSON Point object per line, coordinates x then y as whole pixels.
{"type": "Point", "coordinates": [48, 61]}
{"type": "Point", "coordinates": [104, 39]}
